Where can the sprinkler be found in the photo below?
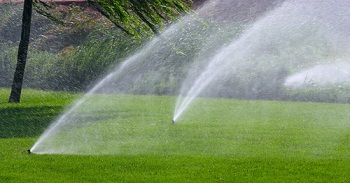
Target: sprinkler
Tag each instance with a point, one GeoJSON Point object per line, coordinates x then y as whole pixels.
{"type": "Point", "coordinates": [28, 151]}
{"type": "Point", "coordinates": [173, 122]}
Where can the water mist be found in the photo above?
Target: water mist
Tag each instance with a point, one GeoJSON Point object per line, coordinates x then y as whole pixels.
{"type": "Point", "coordinates": [213, 54]}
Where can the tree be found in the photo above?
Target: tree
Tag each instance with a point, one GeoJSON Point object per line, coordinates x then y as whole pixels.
{"type": "Point", "coordinates": [132, 16]}
{"type": "Point", "coordinates": [22, 52]}
{"type": "Point", "coordinates": [136, 16]}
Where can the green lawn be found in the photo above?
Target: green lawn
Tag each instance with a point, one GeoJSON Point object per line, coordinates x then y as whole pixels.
{"type": "Point", "coordinates": [217, 140]}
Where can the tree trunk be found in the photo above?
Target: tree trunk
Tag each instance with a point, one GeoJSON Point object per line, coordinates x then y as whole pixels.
{"type": "Point", "coordinates": [16, 90]}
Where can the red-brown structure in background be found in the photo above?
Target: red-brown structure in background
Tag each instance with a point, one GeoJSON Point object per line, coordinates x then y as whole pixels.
{"type": "Point", "coordinates": [59, 1]}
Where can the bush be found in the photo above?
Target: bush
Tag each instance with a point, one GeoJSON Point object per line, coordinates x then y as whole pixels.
{"type": "Point", "coordinates": [84, 64]}
{"type": "Point", "coordinates": [331, 93]}
{"type": "Point", "coordinates": [7, 64]}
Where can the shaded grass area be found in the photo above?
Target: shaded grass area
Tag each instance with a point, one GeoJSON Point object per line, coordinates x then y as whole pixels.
{"type": "Point", "coordinates": [30, 117]}
{"type": "Point", "coordinates": [234, 141]}
{"type": "Point", "coordinates": [16, 122]}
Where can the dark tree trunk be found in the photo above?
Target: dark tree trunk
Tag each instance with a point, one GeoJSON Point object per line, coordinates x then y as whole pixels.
{"type": "Point", "coordinates": [16, 90]}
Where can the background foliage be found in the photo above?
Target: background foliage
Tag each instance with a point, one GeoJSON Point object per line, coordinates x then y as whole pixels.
{"type": "Point", "coordinates": [73, 56]}
{"type": "Point", "coordinates": [75, 53]}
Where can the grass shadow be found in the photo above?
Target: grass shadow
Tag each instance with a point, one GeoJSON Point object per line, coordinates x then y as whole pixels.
{"type": "Point", "coordinates": [17, 122]}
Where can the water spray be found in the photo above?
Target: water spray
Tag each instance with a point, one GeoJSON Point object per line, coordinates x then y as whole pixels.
{"type": "Point", "coordinates": [218, 70]}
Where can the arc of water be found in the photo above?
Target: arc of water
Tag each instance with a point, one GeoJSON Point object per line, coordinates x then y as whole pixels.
{"type": "Point", "coordinates": [218, 65]}
{"type": "Point", "coordinates": [62, 120]}
{"type": "Point", "coordinates": [238, 50]}
{"type": "Point", "coordinates": [205, 78]}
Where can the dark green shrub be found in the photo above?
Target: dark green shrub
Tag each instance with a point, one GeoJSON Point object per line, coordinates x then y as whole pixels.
{"type": "Point", "coordinates": [8, 60]}
{"type": "Point", "coordinates": [331, 93]}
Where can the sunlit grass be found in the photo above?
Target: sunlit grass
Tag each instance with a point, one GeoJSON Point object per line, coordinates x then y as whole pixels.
{"type": "Point", "coordinates": [216, 140]}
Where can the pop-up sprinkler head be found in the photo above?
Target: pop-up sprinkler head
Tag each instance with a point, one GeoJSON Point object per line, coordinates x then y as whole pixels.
{"type": "Point", "coordinates": [173, 121]}
{"type": "Point", "coordinates": [28, 151]}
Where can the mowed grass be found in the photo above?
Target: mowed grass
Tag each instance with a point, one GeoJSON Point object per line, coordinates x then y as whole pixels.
{"type": "Point", "coordinates": [216, 140]}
